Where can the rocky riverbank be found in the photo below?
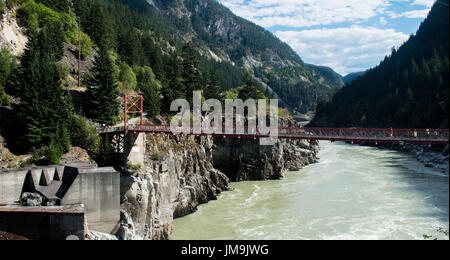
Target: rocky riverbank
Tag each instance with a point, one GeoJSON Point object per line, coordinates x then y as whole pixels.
{"type": "Point", "coordinates": [436, 157]}
{"type": "Point", "coordinates": [432, 157]}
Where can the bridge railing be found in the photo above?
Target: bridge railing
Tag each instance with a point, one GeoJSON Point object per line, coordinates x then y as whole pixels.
{"type": "Point", "coordinates": [333, 134]}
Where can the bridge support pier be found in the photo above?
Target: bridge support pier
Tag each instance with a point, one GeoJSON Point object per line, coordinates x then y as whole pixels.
{"type": "Point", "coordinates": [134, 149]}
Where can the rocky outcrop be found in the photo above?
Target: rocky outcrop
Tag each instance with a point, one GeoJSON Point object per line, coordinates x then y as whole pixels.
{"type": "Point", "coordinates": [12, 35]}
{"type": "Point", "coordinates": [178, 175]}
{"type": "Point", "coordinates": [246, 159]}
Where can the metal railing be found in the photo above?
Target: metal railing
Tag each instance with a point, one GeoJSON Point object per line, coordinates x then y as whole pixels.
{"type": "Point", "coordinates": [375, 135]}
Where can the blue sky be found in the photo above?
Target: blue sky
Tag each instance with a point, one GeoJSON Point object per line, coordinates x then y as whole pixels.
{"type": "Point", "coordinates": [346, 35]}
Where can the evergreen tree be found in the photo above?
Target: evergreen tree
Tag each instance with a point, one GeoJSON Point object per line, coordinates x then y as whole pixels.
{"type": "Point", "coordinates": [149, 87]}
{"type": "Point", "coordinates": [105, 155]}
{"type": "Point", "coordinates": [59, 5]}
{"type": "Point", "coordinates": [157, 64]}
{"type": "Point", "coordinates": [175, 88]}
{"type": "Point", "coordinates": [213, 89]}
{"type": "Point", "coordinates": [42, 110]}
{"type": "Point", "coordinates": [191, 73]}
{"type": "Point", "coordinates": [250, 90]}
{"type": "Point", "coordinates": [98, 25]}
{"type": "Point", "coordinates": [102, 92]}
{"type": "Point", "coordinates": [4, 101]}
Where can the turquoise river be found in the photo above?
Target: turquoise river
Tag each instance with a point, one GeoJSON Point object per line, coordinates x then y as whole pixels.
{"type": "Point", "coordinates": [354, 192]}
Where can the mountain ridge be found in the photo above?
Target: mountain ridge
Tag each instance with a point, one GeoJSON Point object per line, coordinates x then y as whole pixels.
{"type": "Point", "coordinates": [226, 38]}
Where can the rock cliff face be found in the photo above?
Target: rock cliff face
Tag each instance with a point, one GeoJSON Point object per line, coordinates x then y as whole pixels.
{"type": "Point", "coordinates": [12, 35]}
{"type": "Point", "coordinates": [245, 159]}
{"type": "Point", "coordinates": [178, 176]}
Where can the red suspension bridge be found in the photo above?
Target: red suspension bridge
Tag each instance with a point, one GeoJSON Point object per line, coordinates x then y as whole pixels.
{"type": "Point", "coordinates": [134, 105]}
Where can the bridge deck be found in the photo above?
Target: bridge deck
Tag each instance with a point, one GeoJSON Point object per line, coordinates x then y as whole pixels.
{"type": "Point", "coordinates": [356, 135]}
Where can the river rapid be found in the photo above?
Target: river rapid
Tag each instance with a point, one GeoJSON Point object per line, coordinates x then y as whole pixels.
{"type": "Point", "coordinates": [354, 192]}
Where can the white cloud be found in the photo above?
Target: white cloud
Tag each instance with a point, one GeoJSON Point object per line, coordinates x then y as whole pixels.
{"type": "Point", "coordinates": [348, 48]}
{"type": "Point", "coordinates": [412, 14]}
{"type": "Point", "coordinates": [427, 3]}
{"type": "Point", "coordinates": [304, 13]}
{"type": "Point", "coordinates": [344, 49]}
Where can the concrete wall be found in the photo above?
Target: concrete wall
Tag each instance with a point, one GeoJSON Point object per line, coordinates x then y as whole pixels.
{"type": "Point", "coordinates": [99, 190]}
{"type": "Point", "coordinates": [134, 149]}
{"type": "Point", "coordinates": [11, 184]}
{"type": "Point", "coordinates": [55, 223]}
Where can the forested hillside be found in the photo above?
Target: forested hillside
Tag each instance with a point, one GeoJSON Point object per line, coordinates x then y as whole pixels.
{"type": "Point", "coordinates": [410, 88]}
{"type": "Point", "coordinates": [238, 46]}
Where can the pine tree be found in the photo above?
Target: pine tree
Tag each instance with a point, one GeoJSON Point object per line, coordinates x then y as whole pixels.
{"type": "Point", "coordinates": [105, 155]}
{"type": "Point", "coordinates": [250, 90]}
{"type": "Point", "coordinates": [174, 88]}
{"type": "Point", "coordinates": [102, 92]}
{"type": "Point", "coordinates": [4, 101]}
{"type": "Point", "coordinates": [191, 73]}
{"type": "Point", "coordinates": [213, 89]}
{"type": "Point", "coordinates": [42, 108]}
{"type": "Point", "coordinates": [98, 25]}
{"type": "Point", "coordinates": [157, 64]}
{"type": "Point", "coordinates": [149, 86]}
{"type": "Point", "coordinates": [52, 153]}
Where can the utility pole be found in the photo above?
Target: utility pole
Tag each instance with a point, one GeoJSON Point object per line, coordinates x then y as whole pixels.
{"type": "Point", "coordinates": [79, 53]}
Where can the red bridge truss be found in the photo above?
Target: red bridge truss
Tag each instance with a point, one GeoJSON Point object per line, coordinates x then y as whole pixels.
{"type": "Point", "coordinates": [354, 135]}
{"type": "Point", "coordinates": [134, 105]}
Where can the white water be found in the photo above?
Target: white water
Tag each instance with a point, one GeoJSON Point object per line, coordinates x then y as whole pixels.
{"type": "Point", "coordinates": [354, 192]}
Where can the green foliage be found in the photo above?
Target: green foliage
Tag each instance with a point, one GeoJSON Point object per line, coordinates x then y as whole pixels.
{"type": "Point", "coordinates": [8, 70]}
{"type": "Point", "coordinates": [43, 109]}
{"type": "Point", "coordinates": [191, 71]}
{"type": "Point", "coordinates": [251, 90]}
{"type": "Point", "coordinates": [133, 167]}
{"type": "Point", "coordinates": [59, 5]}
{"type": "Point", "coordinates": [52, 154]}
{"type": "Point", "coordinates": [213, 89]}
{"type": "Point", "coordinates": [175, 88]}
{"type": "Point", "coordinates": [4, 100]}
{"type": "Point", "coordinates": [9, 4]}
{"type": "Point", "coordinates": [149, 86]}
{"type": "Point", "coordinates": [127, 77]}
{"type": "Point", "coordinates": [38, 15]}
{"type": "Point", "coordinates": [105, 156]}
{"type": "Point", "coordinates": [156, 156]}
{"type": "Point", "coordinates": [2, 7]}
{"type": "Point", "coordinates": [84, 135]}
{"type": "Point", "coordinates": [409, 89]}
{"type": "Point", "coordinates": [101, 104]}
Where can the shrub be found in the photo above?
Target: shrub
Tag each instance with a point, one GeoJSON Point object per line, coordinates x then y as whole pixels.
{"type": "Point", "coordinates": [133, 167]}
{"type": "Point", "coordinates": [83, 135]}
{"type": "Point", "coordinates": [156, 156]}
{"type": "Point", "coordinates": [4, 100]}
